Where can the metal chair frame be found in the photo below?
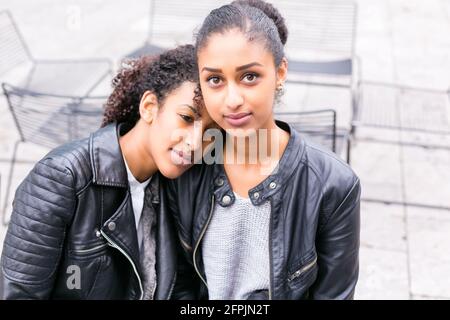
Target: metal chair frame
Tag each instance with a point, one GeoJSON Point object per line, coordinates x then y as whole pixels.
{"type": "Point", "coordinates": [320, 127]}
{"type": "Point", "coordinates": [329, 28]}
{"type": "Point", "coordinates": [15, 52]}
{"type": "Point", "coordinates": [49, 120]}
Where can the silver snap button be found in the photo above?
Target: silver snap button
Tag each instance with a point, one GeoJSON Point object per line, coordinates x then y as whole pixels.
{"type": "Point", "coordinates": [98, 234]}
{"type": "Point", "coordinates": [219, 182]}
{"type": "Point", "coordinates": [226, 199]}
{"type": "Point", "coordinates": [272, 185]}
{"type": "Point", "coordinates": [112, 226]}
{"type": "Point", "coordinates": [256, 195]}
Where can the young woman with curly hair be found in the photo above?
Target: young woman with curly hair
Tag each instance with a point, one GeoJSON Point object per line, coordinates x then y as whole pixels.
{"type": "Point", "coordinates": [89, 221]}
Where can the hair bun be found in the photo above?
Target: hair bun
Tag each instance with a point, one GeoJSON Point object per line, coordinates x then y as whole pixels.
{"type": "Point", "coordinates": [271, 12]}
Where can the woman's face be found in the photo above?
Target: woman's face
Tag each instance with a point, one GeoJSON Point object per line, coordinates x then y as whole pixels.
{"type": "Point", "coordinates": [238, 80]}
{"type": "Point", "coordinates": [176, 130]}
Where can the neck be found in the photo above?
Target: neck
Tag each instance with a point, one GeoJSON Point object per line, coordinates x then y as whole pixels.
{"type": "Point", "coordinates": [261, 148]}
{"type": "Point", "coordinates": [139, 161]}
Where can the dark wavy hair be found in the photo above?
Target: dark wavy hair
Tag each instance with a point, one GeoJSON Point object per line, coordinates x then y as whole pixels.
{"type": "Point", "coordinates": [159, 74]}
{"type": "Point", "coordinates": [257, 19]}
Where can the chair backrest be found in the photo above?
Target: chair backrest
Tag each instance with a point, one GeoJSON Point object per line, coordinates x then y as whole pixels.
{"type": "Point", "coordinates": [13, 50]}
{"type": "Point", "coordinates": [393, 106]}
{"type": "Point", "coordinates": [320, 29]}
{"type": "Point", "coordinates": [318, 126]}
{"type": "Point", "coordinates": [321, 40]}
{"type": "Point", "coordinates": [51, 120]}
{"type": "Point", "coordinates": [174, 22]}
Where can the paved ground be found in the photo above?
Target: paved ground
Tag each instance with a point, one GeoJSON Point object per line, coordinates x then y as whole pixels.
{"type": "Point", "coordinates": [404, 247]}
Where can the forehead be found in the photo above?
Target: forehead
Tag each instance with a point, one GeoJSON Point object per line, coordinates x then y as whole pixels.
{"type": "Point", "coordinates": [231, 49]}
{"type": "Point", "coordinates": [183, 91]}
{"type": "Point", "coordinates": [182, 95]}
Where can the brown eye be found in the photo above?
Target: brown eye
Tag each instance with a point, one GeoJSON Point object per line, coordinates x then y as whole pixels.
{"type": "Point", "coordinates": [186, 118]}
{"type": "Point", "coordinates": [214, 81]}
{"type": "Point", "coordinates": [250, 77]}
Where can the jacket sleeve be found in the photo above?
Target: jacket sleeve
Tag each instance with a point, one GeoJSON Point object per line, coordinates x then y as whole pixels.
{"type": "Point", "coordinates": [337, 247]}
{"type": "Point", "coordinates": [42, 208]}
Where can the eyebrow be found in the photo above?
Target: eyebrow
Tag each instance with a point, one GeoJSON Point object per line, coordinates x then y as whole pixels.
{"type": "Point", "coordinates": [245, 66]}
{"type": "Point", "coordinates": [192, 108]}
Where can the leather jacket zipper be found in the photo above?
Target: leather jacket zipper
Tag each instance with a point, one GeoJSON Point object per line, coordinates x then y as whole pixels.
{"type": "Point", "coordinates": [112, 244]}
{"type": "Point", "coordinates": [90, 249]}
{"type": "Point", "coordinates": [299, 272]}
{"type": "Point", "coordinates": [200, 239]}
{"type": "Point", "coordinates": [184, 244]}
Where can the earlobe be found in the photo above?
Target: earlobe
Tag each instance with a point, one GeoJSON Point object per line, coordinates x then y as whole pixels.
{"type": "Point", "coordinates": [147, 106]}
{"type": "Point", "coordinates": [282, 71]}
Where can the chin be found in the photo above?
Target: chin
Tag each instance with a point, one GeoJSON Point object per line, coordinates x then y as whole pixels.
{"type": "Point", "coordinates": [173, 172]}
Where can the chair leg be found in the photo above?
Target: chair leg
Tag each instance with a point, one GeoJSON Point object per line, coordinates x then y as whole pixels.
{"type": "Point", "coordinates": [8, 185]}
{"type": "Point", "coordinates": [354, 114]}
{"type": "Point", "coordinates": [356, 106]}
{"type": "Point", "coordinates": [349, 143]}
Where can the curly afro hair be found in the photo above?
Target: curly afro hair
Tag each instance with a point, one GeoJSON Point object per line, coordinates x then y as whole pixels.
{"type": "Point", "coordinates": [159, 74]}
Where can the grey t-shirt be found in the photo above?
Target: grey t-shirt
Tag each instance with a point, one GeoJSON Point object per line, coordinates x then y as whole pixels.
{"type": "Point", "coordinates": [235, 250]}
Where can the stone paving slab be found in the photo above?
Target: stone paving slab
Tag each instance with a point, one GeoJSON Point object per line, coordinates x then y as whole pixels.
{"type": "Point", "coordinates": [383, 275]}
{"type": "Point", "coordinates": [429, 245]}
{"type": "Point", "coordinates": [427, 176]}
{"type": "Point", "coordinates": [378, 167]}
{"type": "Point", "coordinates": [383, 227]}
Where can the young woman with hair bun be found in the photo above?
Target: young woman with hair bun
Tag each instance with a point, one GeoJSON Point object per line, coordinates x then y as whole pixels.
{"type": "Point", "coordinates": [283, 226]}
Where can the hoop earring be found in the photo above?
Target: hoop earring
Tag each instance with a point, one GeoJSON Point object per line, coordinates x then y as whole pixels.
{"type": "Point", "coordinates": [280, 88]}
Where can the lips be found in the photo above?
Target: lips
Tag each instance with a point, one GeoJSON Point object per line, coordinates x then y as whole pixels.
{"type": "Point", "coordinates": [238, 119]}
{"type": "Point", "coordinates": [180, 158]}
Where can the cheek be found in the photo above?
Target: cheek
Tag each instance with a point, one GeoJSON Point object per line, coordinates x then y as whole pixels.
{"type": "Point", "coordinates": [261, 98]}
{"type": "Point", "coordinates": [164, 127]}
{"type": "Point", "coordinates": [268, 89]}
{"type": "Point", "coordinates": [167, 139]}
{"type": "Point", "coordinates": [169, 169]}
{"type": "Point", "coordinates": [213, 103]}
{"type": "Point", "coordinates": [159, 151]}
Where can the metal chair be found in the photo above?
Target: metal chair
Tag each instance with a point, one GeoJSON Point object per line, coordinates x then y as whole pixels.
{"type": "Point", "coordinates": [75, 77]}
{"type": "Point", "coordinates": [393, 106]}
{"type": "Point", "coordinates": [320, 47]}
{"type": "Point", "coordinates": [49, 120]}
{"type": "Point", "coordinates": [173, 22]}
{"type": "Point", "coordinates": [319, 126]}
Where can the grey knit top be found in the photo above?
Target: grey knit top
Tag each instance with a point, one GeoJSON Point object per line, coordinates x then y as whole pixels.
{"type": "Point", "coordinates": [235, 250]}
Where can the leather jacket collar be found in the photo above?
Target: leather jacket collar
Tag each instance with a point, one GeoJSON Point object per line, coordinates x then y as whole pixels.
{"type": "Point", "coordinates": [108, 167]}
{"type": "Point", "coordinates": [272, 184]}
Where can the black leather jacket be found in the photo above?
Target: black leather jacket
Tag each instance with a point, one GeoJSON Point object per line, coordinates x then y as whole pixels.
{"type": "Point", "coordinates": [73, 215]}
{"type": "Point", "coordinates": [314, 227]}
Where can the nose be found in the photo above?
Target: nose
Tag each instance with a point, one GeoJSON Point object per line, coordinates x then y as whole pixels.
{"type": "Point", "coordinates": [234, 98]}
{"type": "Point", "coordinates": [194, 138]}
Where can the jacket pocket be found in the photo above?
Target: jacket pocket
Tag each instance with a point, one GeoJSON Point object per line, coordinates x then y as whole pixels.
{"type": "Point", "coordinates": [88, 251]}
{"type": "Point", "coordinates": [304, 271]}
{"type": "Point", "coordinates": [78, 275]}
